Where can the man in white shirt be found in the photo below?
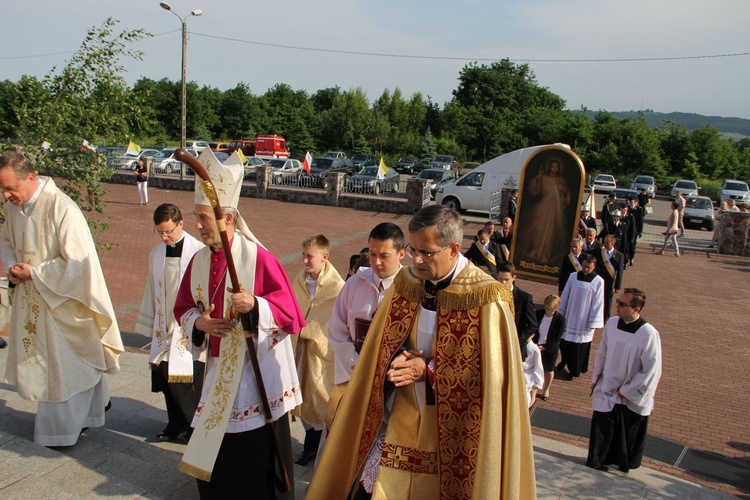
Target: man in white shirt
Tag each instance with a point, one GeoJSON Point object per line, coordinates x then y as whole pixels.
{"type": "Point", "coordinates": [626, 373]}
{"type": "Point", "coordinates": [581, 303]}
{"type": "Point", "coordinates": [680, 200]}
{"type": "Point", "coordinates": [176, 368]}
{"type": "Point", "coordinates": [360, 296]}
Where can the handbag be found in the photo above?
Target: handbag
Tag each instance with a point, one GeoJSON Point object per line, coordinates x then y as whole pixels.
{"type": "Point", "coordinates": [649, 210]}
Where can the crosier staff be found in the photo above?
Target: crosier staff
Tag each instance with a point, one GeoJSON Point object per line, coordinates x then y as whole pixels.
{"type": "Point", "coordinates": [208, 187]}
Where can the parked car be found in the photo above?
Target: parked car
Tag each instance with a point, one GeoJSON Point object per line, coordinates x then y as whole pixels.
{"type": "Point", "coordinates": [469, 165]}
{"type": "Point", "coordinates": [444, 162]}
{"type": "Point", "coordinates": [334, 154]}
{"type": "Point", "coordinates": [437, 176]}
{"type": "Point", "coordinates": [196, 145]}
{"type": "Point", "coordinates": [407, 165]}
{"type": "Point", "coordinates": [111, 154]}
{"type": "Point", "coordinates": [251, 165]}
{"type": "Point", "coordinates": [284, 169]}
{"type": "Point", "coordinates": [688, 188]}
{"type": "Point", "coordinates": [247, 146]}
{"type": "Point", "coordinates": [219, 147]}
{"type": "Point", "coordinates": [166, 163]}
{"type": "Point", "coordinates": [320, 167]}
{"type": "Point", "coordinates": [699, 212]}
{"type": "Point", "coordinates": [621, 194]}
{"type": "Point", "coordinates": [733, 190]}
{"type": "Point", "coordinates": [366, 181]}
{"type": "Point", "coordinates": [128, 162]}
{"type": "Point", "coordinates": [363, 160]}
{"type": "Point", "coordinates": [604, 183]}
{"type": "Point", "coordinates": [254, 161]}
{"type": "Point", "coordinates": [644, 181]}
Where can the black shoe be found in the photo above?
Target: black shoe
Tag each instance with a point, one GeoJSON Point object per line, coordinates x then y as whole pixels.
{"type": "Point", "coordinates": [632, 262]}
{"type": "Point", "coordinates": [625, 266]}
{"type": "Point", "coordinates": [306, 457]}
{"type": "Point", "coordinates": [109, 405]}
{"type": "Point", "coordinates": [167, 436]}
{"type": "Point", "coordinates": [3, 343]}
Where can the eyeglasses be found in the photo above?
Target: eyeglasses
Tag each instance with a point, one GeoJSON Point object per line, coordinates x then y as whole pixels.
{"type": "Point", "coordinates": [424, 256]}
{"type": "Point", "coordinates": [622, 304]}
{"type": "Point", "coordinates": [166, 233]}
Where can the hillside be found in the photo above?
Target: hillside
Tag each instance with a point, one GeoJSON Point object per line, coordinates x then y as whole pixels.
{"type": "Point", "coordinates": [691, 121]}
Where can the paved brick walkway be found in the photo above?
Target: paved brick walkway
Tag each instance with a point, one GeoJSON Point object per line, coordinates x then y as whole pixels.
{"type": "Point", "coordinates": [697, 302]}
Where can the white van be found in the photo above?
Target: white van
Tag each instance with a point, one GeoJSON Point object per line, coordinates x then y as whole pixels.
{"type": "Point", "coordinates": [473, 190]}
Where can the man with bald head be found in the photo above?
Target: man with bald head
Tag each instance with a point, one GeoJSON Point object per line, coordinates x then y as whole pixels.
{"type": "Point", "coordinates": [64, 334]}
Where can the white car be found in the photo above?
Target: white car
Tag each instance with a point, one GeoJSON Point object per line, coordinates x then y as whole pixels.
{"type": "Point", "coordinates": [166, 163]}
{"type": "Point", "coordinates": [283, 170]}
{"type": "Point", "coordinates": [196, 145]}
{"type": "Point", "coordinates": [604, 183]}
{"type": "Point", "coordinates": [128, 162]}
{"type": "Point", "coordinates": [688, 188]}
{"type": "Point", "coordinates": [699, 212]}
{"type": "Point", "coordinates": [734, 190]}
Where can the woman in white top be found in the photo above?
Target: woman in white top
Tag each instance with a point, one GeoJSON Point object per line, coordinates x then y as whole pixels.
{"type": "Point", "coordinates": [671, 232]}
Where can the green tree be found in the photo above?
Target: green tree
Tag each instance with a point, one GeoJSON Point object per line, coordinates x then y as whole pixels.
{"type": "Point", "coordinates": [490, 103]}
{"type": "Point", "coordinates": [427, 148]}
{"type": "Point", "coordinates": [716, 157]}
{"type": "Point", "coordinates": [346, 120]}
{"type": "Point", "coordinates": [361, 146]}
{"type": "Point", "coordinates": [86, 100]}
{"type": "Point", "coordinates": [8, 121]}
{"type": "Point", "coordinates": [241, 115]}
{"type": "Point", "coordinates": [676, 147]}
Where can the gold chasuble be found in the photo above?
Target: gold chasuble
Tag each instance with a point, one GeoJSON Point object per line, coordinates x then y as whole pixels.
{"type": "Point", "coordinates": [313, 354]}
{"type": "Point", "coordinates": [475, 440]}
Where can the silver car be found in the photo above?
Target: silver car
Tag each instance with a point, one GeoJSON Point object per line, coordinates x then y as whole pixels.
{"type": "Point", "coordinates": [644, 181]}
{"type": "Point", "coordinates": [733, 190]}
{"type": "Point", "coordinates": [688, 188]}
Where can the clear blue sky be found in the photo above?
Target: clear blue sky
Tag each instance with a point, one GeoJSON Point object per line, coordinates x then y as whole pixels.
{"type": "Point", "coordinates": [465, 29]}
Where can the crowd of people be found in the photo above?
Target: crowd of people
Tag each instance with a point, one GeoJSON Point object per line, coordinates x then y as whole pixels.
{"type": "Point", "coordinates": [411, 381]}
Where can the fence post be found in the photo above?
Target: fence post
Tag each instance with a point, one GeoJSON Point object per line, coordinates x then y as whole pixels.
{"type": "Point", "coordinates": [417, 193]}
{"type": "Point", "coordinates": [263, 178]}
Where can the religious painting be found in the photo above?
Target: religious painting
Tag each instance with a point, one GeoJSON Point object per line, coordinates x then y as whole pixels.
{"type": "Point", "coordinates": [549, 204]}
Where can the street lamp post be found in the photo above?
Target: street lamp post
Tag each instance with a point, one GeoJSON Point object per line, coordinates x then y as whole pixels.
{"type": "Point", "coordinates": [183, 105]}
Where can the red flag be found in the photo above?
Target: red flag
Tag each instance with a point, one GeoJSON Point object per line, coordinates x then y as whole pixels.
{"type": "Point", "coordinates": [307, 162]}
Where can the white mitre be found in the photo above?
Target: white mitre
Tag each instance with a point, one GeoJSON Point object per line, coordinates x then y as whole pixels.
{"type": "Point", "coordinates": [227, 181]}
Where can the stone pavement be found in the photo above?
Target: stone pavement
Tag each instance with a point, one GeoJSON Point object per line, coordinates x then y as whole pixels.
{"type": "Point", "coordinates": [701, 403]}
{"type": "Point", "coordinates": [123, 460]}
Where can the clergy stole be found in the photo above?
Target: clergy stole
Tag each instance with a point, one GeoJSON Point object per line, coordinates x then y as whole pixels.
{"type": "Point", "coordinates": [204, 444]}
{"type": "Point", "coordinates": [574, 262]}
{"type": "Point", "coordinates": [487, 254]}
{"type": "Point", "coordinates": [180, 366]}
{"type": "Point", "coordinates": [505, 250]}
{"type": "Point", "coordinates": [607, 263]}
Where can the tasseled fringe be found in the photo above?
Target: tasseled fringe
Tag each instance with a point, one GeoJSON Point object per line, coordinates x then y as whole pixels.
{"type": "Point", "coordinates": [471, 298]}
{"type": "Point", "coordinates": [180, 379]}
{"type": "Point", "coordinates": [470, 292]}
{"type": "Point", "coordinates": [193, 471]}
{"type": "Point", "coordinates": [409, 287]}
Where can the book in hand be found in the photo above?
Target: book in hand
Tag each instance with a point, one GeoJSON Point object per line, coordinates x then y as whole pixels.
{"type": "Point", "coordinates": [360, 332]}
